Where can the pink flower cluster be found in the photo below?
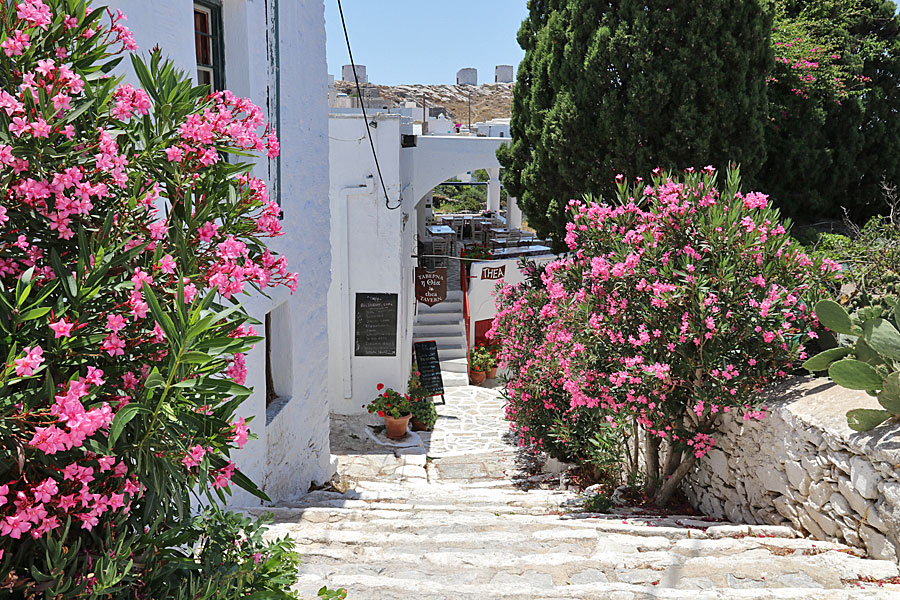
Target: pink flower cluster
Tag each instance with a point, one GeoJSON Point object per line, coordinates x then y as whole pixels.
{"type": "Point", "coordinates": [145, 234]}
{"type": "Point", "coordinates": [676, 305]}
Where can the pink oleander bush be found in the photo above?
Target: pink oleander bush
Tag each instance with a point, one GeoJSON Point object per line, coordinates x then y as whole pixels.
{"type": "Point", "coordinates": [125, 240]}
{"type": "Point", "coordinates": [677, 304]}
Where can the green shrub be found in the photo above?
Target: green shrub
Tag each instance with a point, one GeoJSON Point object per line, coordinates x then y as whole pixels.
{"type": "Point", "coordinates": [423, 409]}
{"type": "Point", "coordinates": [678, 302]}
{"type": "Point", "coordinates": [124, 241]}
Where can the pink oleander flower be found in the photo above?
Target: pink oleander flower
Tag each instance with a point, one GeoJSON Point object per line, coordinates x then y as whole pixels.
{"type": "Point", "coordinates": [62, 329]}
{"type": "Point", "coordinates": [33, 358]}
{"type": "Point", "coordinates": [113, 345]}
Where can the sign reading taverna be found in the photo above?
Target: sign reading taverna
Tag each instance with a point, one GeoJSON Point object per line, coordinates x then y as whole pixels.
{"type": "Point", "coordinates": [431, 286]}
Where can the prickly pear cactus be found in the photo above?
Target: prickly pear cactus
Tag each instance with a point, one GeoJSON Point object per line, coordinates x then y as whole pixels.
{"type": "Point", "coordinates": [868, 360]}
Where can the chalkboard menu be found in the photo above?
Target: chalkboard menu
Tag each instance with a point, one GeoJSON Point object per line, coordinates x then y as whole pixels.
{"type": "Point", "coordinates": [376, 324]}
{"type": "Point", "coordinates": [429, 366]}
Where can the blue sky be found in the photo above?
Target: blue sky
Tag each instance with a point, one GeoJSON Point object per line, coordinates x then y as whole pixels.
{"type": "Point", "coordinates": [423, 41]}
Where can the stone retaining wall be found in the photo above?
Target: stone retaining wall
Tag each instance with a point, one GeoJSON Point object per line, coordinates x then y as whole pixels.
{"type": "Point", "coordinates": [803, 466]}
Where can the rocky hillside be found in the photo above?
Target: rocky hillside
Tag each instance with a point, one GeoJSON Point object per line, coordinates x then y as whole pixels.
{"type": "Point", "coordinates": [489, 100]}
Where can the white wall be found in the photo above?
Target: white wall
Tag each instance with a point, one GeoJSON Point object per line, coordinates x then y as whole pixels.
{"type": "Point", "coordinates": [293, 449]}
{"type": "Point", "coordinates": [482, 286]}
{"type": "Point", "coordinates": [167, 23]}
{"type": "Point", "coordinates": [440, 126]}
{"type": "Point", "coordinates": [371, 252]}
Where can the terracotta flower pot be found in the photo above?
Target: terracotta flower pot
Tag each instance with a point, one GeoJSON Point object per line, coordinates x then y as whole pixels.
{"type": "Point", "coordinates": [492, 372]}
{"type": "Point", "coordinates": [477, 377]}
{"type": "Point", "coordinates": [396, 428]}
{"type": "Point", "coordinates": [418, 425]}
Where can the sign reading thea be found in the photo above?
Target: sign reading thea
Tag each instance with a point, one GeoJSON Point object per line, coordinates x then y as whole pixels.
{"type": "Point", "coordinates": [493, 272]}
{"type": "Point", "coordinates": [376, 324]}
{"type": "Point", "coordinates": [431, 286]}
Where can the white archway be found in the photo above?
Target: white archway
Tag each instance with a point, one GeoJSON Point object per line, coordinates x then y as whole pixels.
{"type": "Point", "coordinates": [437, 158]}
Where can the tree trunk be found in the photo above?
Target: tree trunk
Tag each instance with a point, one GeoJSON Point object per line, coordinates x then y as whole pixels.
{"type": "Point", "coordinates": [652, 450]}
{"type": "Point", "coordinates": [635, 459]}
{"type": "Point", "coordinates": [673, 459]}
{"type": "Point", "coordinates": [671, 484]}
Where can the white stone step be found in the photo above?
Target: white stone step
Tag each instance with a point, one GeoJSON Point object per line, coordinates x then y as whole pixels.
{"type": "Point", "coordinates": [464, 553]}
{"type": "Point", "coordinates": [450, 352]}
{"type": "Point", "coordinates": [448, 306]}
{"type": "Point", "coordinates": [455, 365]}
{"type": "Point", "coordinates": [437, 318]}
{"type": "Point", "coordinates": [452, 340]}
{"type": "Point", "coordinates": [457, 541]}
{"type": "Point", "coordinates": [453, 327]}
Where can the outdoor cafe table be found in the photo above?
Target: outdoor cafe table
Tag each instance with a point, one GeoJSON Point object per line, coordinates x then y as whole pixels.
{"type": "Point", "coordinates": [468, 220]}
{"type": "Point", "coordinates": [440, 230]}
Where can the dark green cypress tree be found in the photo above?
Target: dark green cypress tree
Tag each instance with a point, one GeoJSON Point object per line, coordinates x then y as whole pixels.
{"type": "Point", "coordinates": [628, 85]}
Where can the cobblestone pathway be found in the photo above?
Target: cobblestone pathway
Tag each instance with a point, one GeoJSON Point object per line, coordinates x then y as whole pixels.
{"type": "Point", "coordinates": [440, 517]}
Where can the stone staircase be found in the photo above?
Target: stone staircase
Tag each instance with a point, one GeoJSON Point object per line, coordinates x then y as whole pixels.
{"type": "Point", "coordinates": [457, 514]}
{"type": "Point", "coordinates": [444, 324]}
{"type": "Point", "coordinates": [483, 539]}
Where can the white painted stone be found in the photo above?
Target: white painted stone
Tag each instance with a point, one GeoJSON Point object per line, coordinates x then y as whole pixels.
{"type": "Point", "coordinates": [819, 492]}
{"type": "Point", "coordinates": [857, 502]}
{"type": "Point", "coordinates": [864, 477]}
{"type": "Point", "coordinates": [825, 475]}
{"type": "Point", "coordinates": [824, 520]}
{"type": "Point", "coordinates": [813, 468]}
{"type": "Point", "coordinates": [785, 507]}
{"type": "Point", "coordinates": [798, 477]}
{"type": "Point", "coordinates": [841, 460]}
{"type": "Point", "coordinates": [717, 462]}
{"type": "Point", "coordinates": [774, 480]}
{"type": "Point", "coordinates": [877, 545]}
{"type": "Point", "coordinates": [840, 505]}
{"type": "Point", "coordinates": [873, 518]}
{"type": "Point", "coordinates": [292, 449]}
{"type": "Point", "coordinates": [552, 465]}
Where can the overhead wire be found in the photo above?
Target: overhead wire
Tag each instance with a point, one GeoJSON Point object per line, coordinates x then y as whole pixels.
{"type": "Point", "coordinates": [387, 200]}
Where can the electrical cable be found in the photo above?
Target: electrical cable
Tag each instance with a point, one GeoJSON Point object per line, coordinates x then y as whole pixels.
{"type": "Point", "coordinates": [362, 103]}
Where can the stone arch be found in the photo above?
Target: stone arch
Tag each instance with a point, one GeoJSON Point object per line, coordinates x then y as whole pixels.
{"type": "Point", "coordinates": [438, 158]}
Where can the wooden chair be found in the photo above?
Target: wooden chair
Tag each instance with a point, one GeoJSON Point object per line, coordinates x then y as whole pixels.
{"type": "Point", "coordinates": [457, 226]}
{"type": "Point", "coordinates": [440, 247]}
{"type": "Point", "coordinates": [498, 241]}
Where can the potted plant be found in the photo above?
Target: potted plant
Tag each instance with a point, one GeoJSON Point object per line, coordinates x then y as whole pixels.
{"type": "Point", "coordinates": [395, 408]}
{"type": "Point", "coordinates": [424, 414]}
{"type": "Point", "coordinates": [494, 350]}
{"type": "Point", "coordinates": [480, 361]}
{"type": "Point", "coordinates": [475, 253]}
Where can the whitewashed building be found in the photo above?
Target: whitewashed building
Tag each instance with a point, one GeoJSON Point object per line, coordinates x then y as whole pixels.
{"type": "Point", "coordinates": [272, 51]}
{"type": "Point", "coordinates": [374, 232]}
{"type": "Point", "coordinates": [504, 74]}
{"type": "Point", "coordinates": [467, 76]}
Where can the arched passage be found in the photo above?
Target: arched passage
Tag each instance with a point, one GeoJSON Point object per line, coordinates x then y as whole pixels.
{"type": "Point", "coordinates": [435, 159]}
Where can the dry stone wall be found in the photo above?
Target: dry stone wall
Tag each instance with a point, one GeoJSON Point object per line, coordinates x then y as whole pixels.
{"type": "Point", "coordinates": [803, 466]}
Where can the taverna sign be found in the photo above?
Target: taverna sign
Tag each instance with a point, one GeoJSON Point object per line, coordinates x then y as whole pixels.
{"type": "Point", "coordinates": [431, 286]}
